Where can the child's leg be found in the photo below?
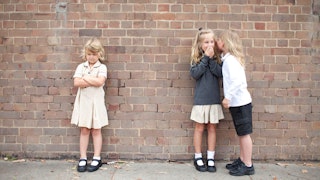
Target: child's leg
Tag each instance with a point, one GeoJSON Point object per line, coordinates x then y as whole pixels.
{"type": "Point", "coordinates": [197, 141]}
{"type": "Point", "coordinates": [242, 119]}
{"type": "Point", "coordinates": [211, 128]}
{"type": "Point", "coordinates": [241, 151]}
{"type": "Point", "coordinates": [84, 141]}
{"type": "Point", "coordinates": [97, 145]}
{"type": "Point", "coordinates": [246, 149]}
{"type": "Point", "coordinates": [197, 137]}
{"type": "Point", "coordinates": [97, 141]}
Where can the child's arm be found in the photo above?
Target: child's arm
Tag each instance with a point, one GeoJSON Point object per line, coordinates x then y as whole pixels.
{"type": "Point", "coordinates": [94, 81]}
{"type": "Point", "coordinates": [232, 80]}
{"type": "Point", "coordinates": [215, 68]}
{"type": "Point", "coordinates": [79, 82]}
{"type": "Point", "coordinates": [197, 70]}
{"type": "Point", "coordinates": [226, 103]}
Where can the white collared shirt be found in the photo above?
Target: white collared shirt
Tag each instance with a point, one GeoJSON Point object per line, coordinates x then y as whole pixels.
{"type": "Point", "coordinates": [234, 81]}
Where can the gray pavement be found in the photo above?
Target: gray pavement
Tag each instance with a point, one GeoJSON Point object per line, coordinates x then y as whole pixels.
{"type": "Point", "coordinates": [155, 170]}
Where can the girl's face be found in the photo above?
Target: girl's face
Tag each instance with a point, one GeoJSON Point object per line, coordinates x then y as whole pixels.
{"type": "Point", "coordinates": [92, 57]}
{"type": "Point", "coordinates": [208, 41]}
{"type": "Point", "coordinates": [220, 45]}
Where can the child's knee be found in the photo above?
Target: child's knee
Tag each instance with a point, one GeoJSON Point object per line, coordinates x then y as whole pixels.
{"type": "Point", "coordinates": [96, 132]}
{"type": "Point", "coordinates": [211, 128]}
{"type": "Point", "coordinates": [199, 129]}
{"type": "Point", "coordinates": [85, 131]}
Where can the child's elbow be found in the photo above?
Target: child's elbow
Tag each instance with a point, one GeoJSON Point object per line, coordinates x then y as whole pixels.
{"type": "Point", "coordinates": [101, 81]}
{"type": "Point", "coordinates": [76, 82]}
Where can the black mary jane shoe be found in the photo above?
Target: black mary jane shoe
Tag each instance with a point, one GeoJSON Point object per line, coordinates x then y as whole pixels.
{"type": "Point", "coordinates": [199, 168]}
{"type": "Point", "coordinates": [91, 168]}
{"type": "Point", "coordinates": [211, 168]}
{"type": "Point", "coordinates": [82, 168]}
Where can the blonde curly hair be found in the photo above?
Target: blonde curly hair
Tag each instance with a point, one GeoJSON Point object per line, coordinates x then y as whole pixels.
{"type": "Point", "coordinates": [93, 45]}
{"type": "Point", "coordinates": [233, 45]}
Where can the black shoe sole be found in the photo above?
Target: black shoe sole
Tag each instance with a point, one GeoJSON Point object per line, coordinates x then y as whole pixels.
{"type": "Point", "coordinates": [81, 168]}
{"type": "Point", "coordinates": [93, 168]}
{"type": "Point", "coordinates": [242, 174]}
{"type": "Point", "coordinates": [199, 168]}
{"type": "Point", "coordinates": [212, 169]}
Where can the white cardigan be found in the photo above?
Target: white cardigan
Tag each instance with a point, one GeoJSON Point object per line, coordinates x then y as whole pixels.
{"type": "Point", "coordinates": [234, 82]}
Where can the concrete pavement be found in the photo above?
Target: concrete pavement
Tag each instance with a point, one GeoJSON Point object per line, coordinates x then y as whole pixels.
{"type": "Point", "coordinates": [154, 170]}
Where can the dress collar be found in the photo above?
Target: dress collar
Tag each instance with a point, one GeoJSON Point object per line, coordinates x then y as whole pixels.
{"type": "Point", "coordinates": [97, 64]}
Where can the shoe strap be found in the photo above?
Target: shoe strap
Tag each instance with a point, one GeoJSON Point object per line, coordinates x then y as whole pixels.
{"type": "Point", "coordinates": [82, 160]}
{"type": "Point", "coordinates": [199, 159]}
{"type": "Point", "coordinates": [97, 162]}
{"type": "Point", "coordinates": [210, 160]}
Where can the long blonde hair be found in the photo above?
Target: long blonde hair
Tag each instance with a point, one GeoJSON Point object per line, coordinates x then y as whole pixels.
{"type": "Point", "coordinates": [93, 45]}
{"type": "Point", "coordinates": [196, 50]}
{"type": "Point", "coordinates": [233, 45]}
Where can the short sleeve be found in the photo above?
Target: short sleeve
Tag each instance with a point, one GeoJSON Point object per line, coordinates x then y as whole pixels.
{"type": "Point", "coordinates": [103, 71]}
{"type": "Point", "coordinates": [79, 71]}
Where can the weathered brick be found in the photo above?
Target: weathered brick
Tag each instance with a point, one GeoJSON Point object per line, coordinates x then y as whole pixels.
{"type": "Point", "coordinates": [90, 32]}
{"type": "Point", "coordinates": [259, 17]}
{"type": "Point", "coordinates": [149, 90]}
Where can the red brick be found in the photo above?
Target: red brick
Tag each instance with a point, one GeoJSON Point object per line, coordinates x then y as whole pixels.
{"type": "Point", "coordinates": [260, 26]}
{"type": "Point", "coordinates": [90, 32]}
{"type": "Point", "coordinates": [149, 90]}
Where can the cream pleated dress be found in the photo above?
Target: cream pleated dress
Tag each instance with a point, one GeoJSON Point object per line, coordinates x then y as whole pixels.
{"type": "Point", "coordinates": [89, 107]}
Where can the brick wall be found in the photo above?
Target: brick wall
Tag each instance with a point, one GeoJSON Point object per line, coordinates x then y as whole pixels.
{"type": "Point", "coordinates": [149, 90]}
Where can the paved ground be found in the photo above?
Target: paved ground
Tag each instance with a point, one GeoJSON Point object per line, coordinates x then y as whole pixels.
{"type": "Point", "coordinates": [155, 170]}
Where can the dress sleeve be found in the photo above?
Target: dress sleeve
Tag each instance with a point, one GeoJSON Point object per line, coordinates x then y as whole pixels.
{"type": "Point", "coordinates": [103, 71]}
{"type": "Point", "coordinates": [79, 71]}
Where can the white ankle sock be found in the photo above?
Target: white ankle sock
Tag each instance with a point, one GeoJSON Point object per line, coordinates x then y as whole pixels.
{"type": "Point", "coordinates": [198, 155]}
{"type": "Point", "coordinates": [95, 163]}
{"type": "Point", "coordinates": [82, 163]}
{"type": "Point", "coordinates": [210, 155]}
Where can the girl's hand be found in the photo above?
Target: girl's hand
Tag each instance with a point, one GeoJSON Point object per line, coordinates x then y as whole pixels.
{"type": "Point", "coordinates": [209, 52]}
{"type": "Point", "coordinates": [225, 103]}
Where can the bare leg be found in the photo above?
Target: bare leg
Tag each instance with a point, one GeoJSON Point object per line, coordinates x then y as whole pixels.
{"type": "Point", "coordinates": [97, 141]}
{"type": "Point", "coordinates": [84, 141]}
{"type": "Point", "coordinates": [246, 149]}
{"type": "Point", "coordinates": [211, 128]}
{"type": "Point", "coordinates": [197, 137]}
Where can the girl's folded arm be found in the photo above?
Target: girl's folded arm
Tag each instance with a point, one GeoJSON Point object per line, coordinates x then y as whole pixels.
{"type": "Point", "coordinates": [79, 82]}
{"type": "Point", "coordinates": [95, 81]}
